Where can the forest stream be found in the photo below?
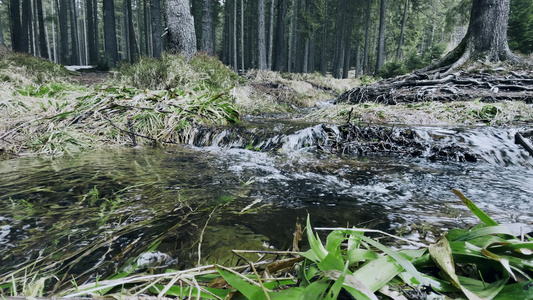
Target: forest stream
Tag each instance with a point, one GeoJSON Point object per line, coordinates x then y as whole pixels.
{"type": "Point", "coordinates": [102, 210]}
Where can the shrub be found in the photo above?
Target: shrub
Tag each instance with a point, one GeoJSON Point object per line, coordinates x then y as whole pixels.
{"type": "Point", "coordinates": [392, 69]}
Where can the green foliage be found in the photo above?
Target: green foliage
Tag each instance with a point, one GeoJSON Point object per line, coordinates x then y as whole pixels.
{"type": "Point", "coordinates": [46, 90]}
{"type": "Point", "coordinates": [520, 33]}
{"type": "Point", "coordinates": [392, 69]}
{"type": "Point", "coordinates": [347, 261]}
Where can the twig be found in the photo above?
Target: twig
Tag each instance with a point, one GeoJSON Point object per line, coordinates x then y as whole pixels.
{"type": "Point", "coordinates": [256, 274]}
{"type": "Point", "coordinates": [202, 235]}
{"type": "Point", "coordinates": [20, 126]}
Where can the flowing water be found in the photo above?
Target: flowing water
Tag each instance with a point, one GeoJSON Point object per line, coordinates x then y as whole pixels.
{"type": "Point", "coordinates": [244, 188]}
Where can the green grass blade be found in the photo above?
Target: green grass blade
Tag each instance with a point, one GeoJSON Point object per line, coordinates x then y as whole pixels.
{"type": "Point", "coordinates": [441, 253]}
{"type": "Point", "coordinates": [406, 264]}
{"type": "Point", "coordinates": [317, 252]}
{"type": "Point", "coordinates": [475, 210]}
{"type": "Point", "coordinates": [250, 291]}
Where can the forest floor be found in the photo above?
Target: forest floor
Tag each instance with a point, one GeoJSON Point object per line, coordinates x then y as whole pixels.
{"type": "Point", "coordinates": [46, 109]}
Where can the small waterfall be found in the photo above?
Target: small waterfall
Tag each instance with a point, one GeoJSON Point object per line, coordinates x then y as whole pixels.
{"type": "Point", "coordinates": [493, 145]}
{"type": "Point", "coordinates": [463, 144]}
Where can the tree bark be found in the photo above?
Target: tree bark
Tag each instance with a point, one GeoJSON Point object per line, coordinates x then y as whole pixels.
{"type": "Point", "coordinates": [42, 36]}
{"type": "Point", "coordinates": [280, 36]}
{"type": "Point", "coordinates": [91, 35]}
{"type": "Point", "coordinates": [271, 36]}
{"type": "Point", "coordinates": [234, 44]}
{"type": "Point", "coordinates": [182, 36]}
{"type": "Point", "coordinates": [261, 42]}
{"type": "Point", "coordinates": [399, 51]}
{"type": "Point", "coordinates": [16, 26]}
{"type": "Point", "coordinates": [242, 36]}
{"type": "Point", "coordinates": [367, 37]}
{"type": "Point", "coordinates": [291, 36]}
{"type": "Point", "coordinates": [485, 39]}
{"type": "Point", "coordinates": [339, 40]}
{"type": "Point", "coordinates": [380, 60]}
{"type": "Point", "coordinates": [110, 34]}
{"type": "Point", "coordinates": [157, 28]}
{"type": "Point", "coordinates": [323, 56]}
{"type": "Point", "coordinates": [54, 42]}
{"type": "Point", "coordinates": [132, 45]}
{"type": "Point", "coordinates": [26, 26]}
{"type": "Point", "coordinates": [347, 51]}
{"type": "Point", "coordinates": [2, 42]}
{"type": "Point", "coordinates": [63, 32]}
{"type": "Point", "coordinates": [75, 57]}
{"type": "Point", "coordinates": [208, 41]}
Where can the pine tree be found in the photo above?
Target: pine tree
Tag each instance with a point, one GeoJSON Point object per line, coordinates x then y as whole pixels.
{"type": "Point", "coordinates": [182, 36]}
{"type": "Point", "coordinates": [110, 33]}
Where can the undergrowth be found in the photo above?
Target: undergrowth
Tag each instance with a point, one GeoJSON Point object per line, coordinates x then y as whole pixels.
{"type": "Point", "coordinates": [202, 74]}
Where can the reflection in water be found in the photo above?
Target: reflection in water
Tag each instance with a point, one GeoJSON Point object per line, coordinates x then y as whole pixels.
{"type": "Point", "coordinates": [113, 206]}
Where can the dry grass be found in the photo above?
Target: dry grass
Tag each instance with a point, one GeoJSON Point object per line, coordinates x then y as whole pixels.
{"type": "Point", "coordinates": [429, 113]}
{"type": "Point", "coordinates": [267, 91]}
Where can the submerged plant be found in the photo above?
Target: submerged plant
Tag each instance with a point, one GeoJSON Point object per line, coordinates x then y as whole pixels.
{"type": "Point", "coordinates": [486, 262]}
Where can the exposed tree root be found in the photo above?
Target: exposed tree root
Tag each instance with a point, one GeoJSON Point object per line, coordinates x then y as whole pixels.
{"type": "Point", "coordinates": [488, 84]}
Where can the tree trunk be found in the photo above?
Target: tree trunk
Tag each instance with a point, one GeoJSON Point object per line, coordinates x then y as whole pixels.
{"type": "Point", "coordinates": [280, 36]}
{"type": "Point", "coordinates": [234, 44]}
{"type": "Point", "coordinates": [305, 64]}
{"type": "Point", "coordinates": [63, 32]}
{"type": "Point", "coordinates": [339, 40]}
{"type": "Point", "coordinates": [271, 36]}
{"type": "Point", "coordinates": [380, 60]}
{"type": "Point", "coordinates": [42, 36]}
{"type": "Point", "coordinates": [148, 42]}
{"type": "Point", "coordinates": [291, 36]}
{"type": "Point", "coordinates": [312, 50]}
{"type": "Point", "coordinates": [93, 51]}
{"type": "Point", "coordinates": [2, 42]}
{"type": "Point", "coordinates": [26, 25]}
{"type": "Point", "coordinates": [182, 36]}
{"type": "Point", "coordinates": [132, 45]}
{"type": "Point", "coordinates": [323, 58]}
{"type": "Point", "coordinates": [358, 61]}
{"type": "Point", "coordinates": [261, 42]}
{"type": "Point", "coordinates": [75, 58]}
{"type": "Point", "coordinates": [54, 42]}
{"type": "Point", "coordinates": [399, 51]}
{"type": "Point", "coordinates": [157, 27]}
{"type": "Point", "coordinates": [367, 38]}
{"type": "Point", "coordinates": [85, 35]}
{"type": "Point", "coordinates": [208, 41]}
{"type": "Point", "coordinates": [242, 35]}
{"type": "Point", "coordinates": [110, 34]}
{"type": "Point", "coordinates": [16, 26]}
{"type": "Point", "coordinates": [96, 36]}
{"type": "Point", "coordinates": [485, 39]}
{"type": "Point", "coordinates": [347, 51]}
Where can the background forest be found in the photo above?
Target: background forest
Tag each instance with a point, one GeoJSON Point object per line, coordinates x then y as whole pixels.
{"type": "Point", "coordinates": [372, 37]}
